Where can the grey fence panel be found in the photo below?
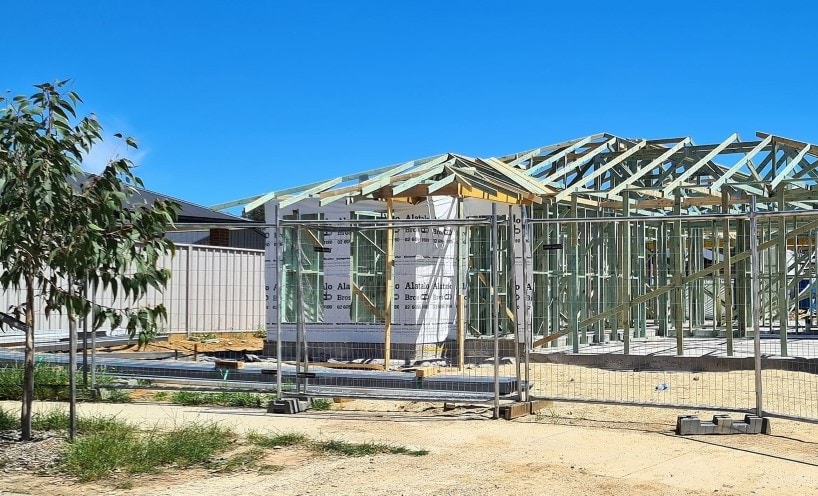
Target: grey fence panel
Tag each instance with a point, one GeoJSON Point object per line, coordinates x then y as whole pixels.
{"type": "Point", "coordinates": [211, 289]}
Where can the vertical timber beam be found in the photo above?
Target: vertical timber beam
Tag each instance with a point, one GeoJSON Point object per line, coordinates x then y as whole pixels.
{"type": "Point", "coordinates": [678, 268]}
{"type": "Point", "coordinates": [740, 295]}
{"type": "Point", "coordinates": [728, 274]}
{"type": "Point", "coordinates": [626, 274]}
{"type": "Point", "coordinates": [573, 277]}
{"type": "Point", "coordinates": [554, 302]}
{"type": "Point", "coordinates": [390, 288]}
{"type": "Point", "coordinates": [613, 280]}
{"type": "Point", "coordinates": [783, 305]}
{"type": "Point", "coordinates": [661, 278]}
{"type": "Point", "coordinates": [641, 267]}
{"type": "Point", "coordinates": [461, 300]}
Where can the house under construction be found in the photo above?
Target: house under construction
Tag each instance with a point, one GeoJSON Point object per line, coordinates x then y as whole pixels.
{"type": "Point", "coordinates": [397, 262]}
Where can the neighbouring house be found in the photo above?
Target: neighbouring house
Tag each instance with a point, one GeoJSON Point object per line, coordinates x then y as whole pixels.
{"type": "Point", "coordinates": [217, 281]}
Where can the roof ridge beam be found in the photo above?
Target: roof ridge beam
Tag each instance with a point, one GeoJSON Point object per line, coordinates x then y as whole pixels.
{"type": "Point", "coordinates": [576, 163]}
{"type": "Point", "coordinates": [576, 187]}
{"type": "Point", "coordinates": [557, 156]}
{"type": "Point", "coordinates": [520, 158]}
{"type": "Point", "coordinates": [684, 176]}
{"type": "Point", "coordinates": [782, 174]}
{"type": "Point", "coordinates": [516, 176]}
{"type": "Point", "coordinates": [652, 165]}
{"type": "Point", "coordinates": [743, 160]}
{"type": "Point", "coordinates": [308, 192]}
{"type": "Point", "coordinates": [419, 179]}
{"type": "Point", "coordinates": [383, 179]}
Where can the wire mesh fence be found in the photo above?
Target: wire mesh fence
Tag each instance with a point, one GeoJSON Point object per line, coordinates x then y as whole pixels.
{"type": "Point", "coordinates": [446, 301]}
{"type": "Point", "coordinates": [391, 322]}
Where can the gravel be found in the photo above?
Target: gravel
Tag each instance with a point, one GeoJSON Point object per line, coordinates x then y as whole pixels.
{"type": "Point", "coordinates": [41, 455]}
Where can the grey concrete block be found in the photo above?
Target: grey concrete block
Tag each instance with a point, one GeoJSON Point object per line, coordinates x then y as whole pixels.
{"type": "Point", "coordinates": [754, 424]}
{"type": "Point", "coordinates": [287, 406]}
{"type": "Point", "coordinates": [687, 425]}
{"type": "Point", "coordinates": [766, 428]}
{"type": "Point", "coordinates": [724, 424]}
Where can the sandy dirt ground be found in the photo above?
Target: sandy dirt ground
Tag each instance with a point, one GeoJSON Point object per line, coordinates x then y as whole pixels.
{"type": "Point", "coordinates": [785, 392]}
{"type": "Point", "coordinates": [568, 449]}
{"type": "Point", "coordinates": [239, 341]}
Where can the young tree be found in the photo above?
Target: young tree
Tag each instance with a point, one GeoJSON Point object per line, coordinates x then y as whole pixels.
{"type": "Point", "coordinates": [62, 230]}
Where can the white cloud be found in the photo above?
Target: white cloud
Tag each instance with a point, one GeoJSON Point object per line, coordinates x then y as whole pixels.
{"type": "Point", "coordinates": [111, 148]}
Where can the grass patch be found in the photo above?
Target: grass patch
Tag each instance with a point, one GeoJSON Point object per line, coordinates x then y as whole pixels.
{"type": "Point", "coordinates": [52, 420]}
{"type": "Point", "coordinates": [321, 404]}
{"type": "Point", "coordinates": [57, 420]}
{"type": "Point", "coordinates": [190, 444]}
{"type": "Point", "coordinates": [96, 456]}
{"type": "Point", "coordinates": [344, 448]}
{"type": "Point", "coordinates": [8, 422]}
{"type": "Point", "coordinates": [122, 447]}
{"type": "Point", "coordinates": [50, 382]}
{"type": "Point", "coordinates": [278, 440]}
{"type": "Point", "coordinates": [239, 400]}
{"type": "Point", "coordinates": [117, 396]}
{"type": "Point", "coordinates": [330, 447]}
{"type": "Point", "coordinates": [203, 336]}
{"type": "Point", "coordinates": [109, 445]}
{"type": "Point", "coordinates": [249, 459]}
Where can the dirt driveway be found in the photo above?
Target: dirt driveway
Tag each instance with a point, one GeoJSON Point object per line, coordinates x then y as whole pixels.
{"type": "Point", "coordinates": [570, 449]}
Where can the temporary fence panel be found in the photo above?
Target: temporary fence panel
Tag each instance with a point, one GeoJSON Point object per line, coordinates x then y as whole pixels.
{"type": "Point", "coordinates": [393, 298]}
{"type": "Point", "coordinates": [619, 311]}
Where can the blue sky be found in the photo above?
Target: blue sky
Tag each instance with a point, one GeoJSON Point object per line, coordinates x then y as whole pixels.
{"type": "Point", "coordinates": [230, 99]}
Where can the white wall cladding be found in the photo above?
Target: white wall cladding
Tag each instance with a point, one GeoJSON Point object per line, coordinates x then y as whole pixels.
{"type": "Point", "coordinates": [425, 274]}
{"type": "Point", "coordinates": [211, 289]}
{"type": "Point", "coordinates": [424, 310]}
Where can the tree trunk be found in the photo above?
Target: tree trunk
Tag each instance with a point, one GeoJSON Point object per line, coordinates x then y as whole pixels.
{"type": "Point", "coordinates": [28, 364]}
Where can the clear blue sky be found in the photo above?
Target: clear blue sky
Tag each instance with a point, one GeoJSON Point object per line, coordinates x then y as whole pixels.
{"type": "Point", "coordinates": [230, 99]}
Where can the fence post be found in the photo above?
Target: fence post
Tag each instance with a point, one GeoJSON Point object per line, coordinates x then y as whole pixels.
{"type": "Point", "coordinates": [511, 298]}
{"type": "Point", "coordinates": [755, 274]}
{"type": "Point", "coordinates": [72, 366]}
{"type": "Point", "coordinates": [189, 251]}
{"type": "Point", "coordinates": [495, 308]}
{"type": "Point", "coordinates": [93, 343]}
{"type": "Point", "coordinates": [298, 314]}
{"type": "Point", "coordinates": [527, 338]}
{"type": "Point", "coordinates": [85, 340]}
{"type": "Point", "coordinates": [279, 243]}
